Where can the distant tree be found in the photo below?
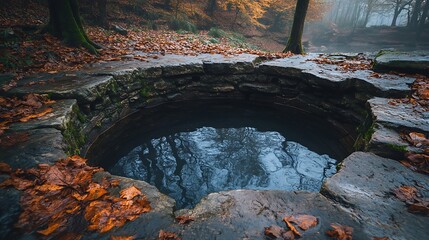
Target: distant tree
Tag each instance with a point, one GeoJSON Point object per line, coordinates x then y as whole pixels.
{"type": "Point", "coordinates": [399, 6]}
{"type": "Point", "coordinates": [102, 13]}
{"type": "Point", "coordinates": [65, 23]}
{"type": "Point", "coordinates": [211, 7]}
{"type": "Point", "coordinates": [417, 7]}
{"type": "Point", "coordinates": [423, 19]}
{"type": "Point", "coordinates": [294, 43]}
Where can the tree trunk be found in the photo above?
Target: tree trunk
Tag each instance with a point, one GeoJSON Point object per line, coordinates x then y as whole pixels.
{"type": "Point", "coordinates": [211, 7]}
{"type": "Point", "coordinates": [294, 43]}
{"type": "Point", "coordinates": [102, 13]}
{"type": "Point", "coordinates": [65, 23]}
{"type": "Point", "coordinates": [395, 15]}
{"type": "Point", "coordinates": [415, 15]}
{"type": "Point", "coordinates": [423, 19]}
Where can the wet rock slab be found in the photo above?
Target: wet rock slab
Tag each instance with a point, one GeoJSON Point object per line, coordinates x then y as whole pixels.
{"type": "Point", "coordinates": [409, 62]}
{"type": "Point", "coordinates": [364, 187]}
{"type": "Point", "coordinates": [398, 115]}
{"type": "Point", "coordinates": [79, 85]}
{"type": "Point", "coordinates": [44, 145]}
{"type": "Point", "coordinates": [59, 117]}
{"type": "Point", "coordinates": [331, 75]}
{"type": "Point", "coordinates": [243, 214]}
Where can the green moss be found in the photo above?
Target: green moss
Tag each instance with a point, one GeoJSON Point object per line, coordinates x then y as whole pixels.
{"type": "Point", "coordinates": [74, 139]}
{"type": "Point", "coordinates": [339, 166]}
{"type": "Point", "coordinates": [98, 124]}
{"type": "Point", "coordinates": [80, 116]}
{"type": "Point", "coordinates": [365, 132]}
{"type": "Point", "coordinates": [146, 89]}
{"type": "Point", "coordinates": [382, 52]}
{"type": "Point", "coordinates": [182, 23]}
{"type": "Point", "coordinates": [114, 87]}
{"type": "Point", "coordinates": [397, 148]}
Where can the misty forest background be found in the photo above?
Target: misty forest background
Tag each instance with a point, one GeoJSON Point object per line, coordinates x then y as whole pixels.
{"type": "Point", "coordinates": [330, 26]}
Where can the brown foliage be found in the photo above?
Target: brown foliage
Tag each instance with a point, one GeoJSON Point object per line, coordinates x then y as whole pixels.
{"type": "Point", "coordinates": [360, 62]}
{"type": "Point", "coordinates": [340, 232]}
{"type": "Point", "coordinates": [53, 195]}
{"type": "Point", "coordinates": [411, 196]}
{"type": "Point", "coordinates": [164, 235]}
{"type": "Point", "coordinates": [184, 219]}
{"type": "Point", "coordinates": [21, 110]}
{"type": "Point", "coordinates": [304, 222]}
{"type": "Point", "coordinates": [417, 161]}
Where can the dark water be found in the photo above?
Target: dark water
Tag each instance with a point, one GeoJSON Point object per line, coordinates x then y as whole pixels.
{"type": "Point", "coordinates": [189, 153]}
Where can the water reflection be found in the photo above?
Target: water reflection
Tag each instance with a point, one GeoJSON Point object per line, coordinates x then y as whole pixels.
{"type": "Point", "coordinates": [189, 165]}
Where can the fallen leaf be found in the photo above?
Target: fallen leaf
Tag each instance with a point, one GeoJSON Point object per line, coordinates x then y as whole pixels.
{"type": "Point", "coordinates": [121, 237]}
{"type": "Point", "coordinates": [405, 193]}
{"type": "Point", "coordinates": [380, 238]}
{"type": "Point", "coordinates": [164, 235]}
{"type": "Point", "coordinates": [274, 231]}
{"type": "Point", "coordinates": [51, 228]}
{"type": "Point", "coordinates": [184, 219]}
{"type": "Point", "coordinates": [291, 227]}
{"type": "Point", "coordinates": [5, 168]}
{"type": "Point", "coordinates": [340, 232]}
{"type": "Point", "coordinates": [130, 192]}
{"type": "Point", "coordinates": [289, 235]}
{"type": "Point", "coordinates": [70, 236]}
{"type": "Point", "coordinates": [303, 221]}
{"type": "Point", "coordinates": [36, 115]}
{"type": "Point", "coordinates": [95, 191]}
{"type": "Point", "coordinates": [420, 207]}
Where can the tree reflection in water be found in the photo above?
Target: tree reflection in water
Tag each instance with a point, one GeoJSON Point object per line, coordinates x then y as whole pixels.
{"type": "Point", "coordinates": [189, 165]}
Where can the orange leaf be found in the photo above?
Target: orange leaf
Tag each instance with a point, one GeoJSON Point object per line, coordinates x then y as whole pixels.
{"type": "Point", "coordinates": [163, 235]}
{"type": "Point", "coordinates": [51, 228]}
{"type": "Point", "coordinates": [48, 187]}
{"type": "Point", "coordinates": [37, 115]}
{"type": "Point", "coordinates": [291, 227]}
{"type": "Point", "coordinates": [405, 193]}
{"type": "Point", "coordinates": [121, 237]}
{"type": "Point", "coordinates": [274, 231]}
{"type": "Point", "coordinates": [340, 232]}
{"type": "Point", "coordinates": [184, 219]}
{"type": "Point", "coordinates": [303, 221]}
{"type": "Point", "coordinates": [130, 192]}
{"type": "Point", "coordinates": [95, 191]}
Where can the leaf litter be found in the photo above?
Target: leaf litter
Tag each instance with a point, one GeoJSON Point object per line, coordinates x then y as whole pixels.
{"type": "Point", "coordinates": [303, 221]}
{"type": "Point", "coordinates": [54, 196]}
{"type": "Point", "coordinates": [414, 200]}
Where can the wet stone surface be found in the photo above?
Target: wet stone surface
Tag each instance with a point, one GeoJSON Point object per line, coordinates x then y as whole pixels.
{"type": "Point", "coordinates": [409, 62]}
{"type": "Point", "coordinates": [358, 196]}
{"type": "Point", "coordinates": [364, 187]}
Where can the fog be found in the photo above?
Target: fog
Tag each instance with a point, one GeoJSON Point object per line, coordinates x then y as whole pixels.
{"type": "Point", "coordinates": [370, 25]}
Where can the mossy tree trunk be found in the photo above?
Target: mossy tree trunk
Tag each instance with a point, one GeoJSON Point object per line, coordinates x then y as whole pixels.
{"type": "Point", "coordinates": [294, 43]}
{"type": "Point", "coordinates": [65, 23]}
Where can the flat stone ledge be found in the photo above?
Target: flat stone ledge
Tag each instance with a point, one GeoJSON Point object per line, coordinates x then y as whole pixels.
{"type": "Point", "coordinates": [44, 145]}
{"type": "Point", "coordinates": [61, 115]}
{"type": "Point", "coordinates": [80, 86]}
{"type": "Point", "coordinates": [398, 115]}
{"type": "Point", "coordinates": [243, 214]}
{"type": "Point", "coordinates": [388, 143]}
{"type": "Point", "coordinates": [364, 185]}
{"type": "Point", "coordinates": [409, 62]}
{"type": "Point", "coordinates": [331, 75]}
{"type": "Point", "coordinates": [220, 65]}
